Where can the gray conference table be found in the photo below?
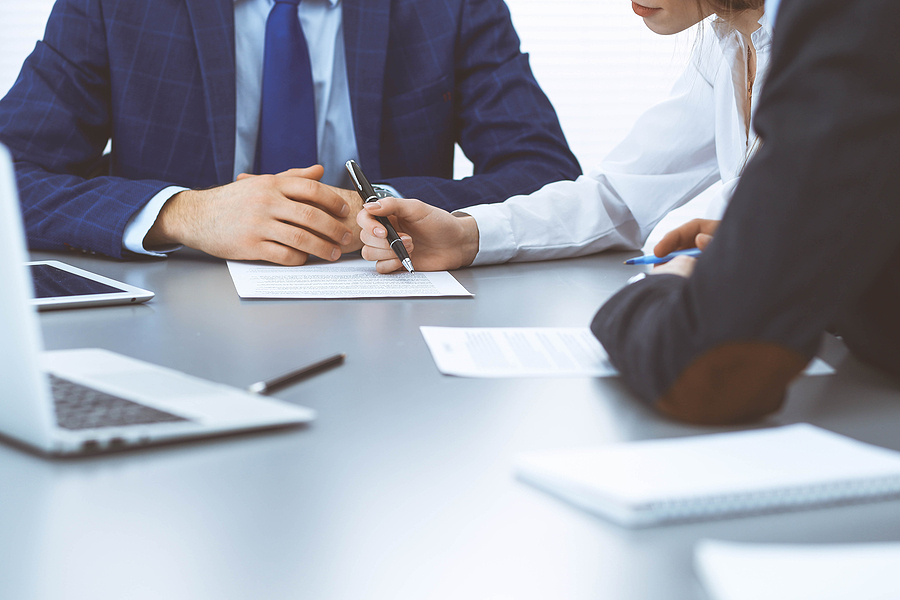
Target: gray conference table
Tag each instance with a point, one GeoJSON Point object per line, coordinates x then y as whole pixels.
{"type": "Point", "coordinates": [402, 488]}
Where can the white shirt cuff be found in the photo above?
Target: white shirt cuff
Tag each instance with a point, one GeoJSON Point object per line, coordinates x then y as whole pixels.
{"type": "Point", "coordinates": [141, 222]}
{"type": "Point", "coordinates": [496, 243]}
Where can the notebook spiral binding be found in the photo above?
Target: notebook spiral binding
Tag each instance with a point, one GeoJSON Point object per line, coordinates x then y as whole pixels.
{"type": "Point", "coordinates": [832, 493]}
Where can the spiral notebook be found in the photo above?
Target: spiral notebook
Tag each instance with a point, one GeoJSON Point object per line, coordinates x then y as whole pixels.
{"type": "Point", "coordinates": [713, 476]}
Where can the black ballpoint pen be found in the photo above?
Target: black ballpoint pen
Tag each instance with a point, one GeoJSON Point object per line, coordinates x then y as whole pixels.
{"type": "Point", "coordinates": [264, 387]}
{"type": "Point", "coordinates": [367, 193]}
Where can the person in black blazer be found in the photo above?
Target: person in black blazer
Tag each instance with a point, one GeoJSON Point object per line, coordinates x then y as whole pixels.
{"type": "Point", "coordinates": [809, 243]}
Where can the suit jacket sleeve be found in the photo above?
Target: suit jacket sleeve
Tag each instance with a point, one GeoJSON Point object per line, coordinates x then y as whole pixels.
{"type": "Point", "coordinates": [56, 122]}
{"type": "Point", "coordinates": [503, 121]}
{"type": "Point", "coordinates": [811, 229]}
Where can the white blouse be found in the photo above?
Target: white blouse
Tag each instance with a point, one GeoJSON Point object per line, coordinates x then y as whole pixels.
{"type": "Point", "coordinates": [677, 149]}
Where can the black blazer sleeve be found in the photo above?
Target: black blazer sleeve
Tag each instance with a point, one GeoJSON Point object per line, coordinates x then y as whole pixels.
{"type": "Point", "coordinates": [811, 232]}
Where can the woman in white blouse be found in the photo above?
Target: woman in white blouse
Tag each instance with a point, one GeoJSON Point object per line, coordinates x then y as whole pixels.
{"type": "Point", "coordinates": [700, 135]}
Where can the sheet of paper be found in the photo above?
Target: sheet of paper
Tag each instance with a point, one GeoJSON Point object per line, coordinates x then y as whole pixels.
{"type": "Point", "coordinates": [737, 571]}
{"type": "Point", "coordinates": [350, 278]}
{"type": "Point", "coordinates": [528, 352]}
{"type": "Point", "coordinates": [517, 352]}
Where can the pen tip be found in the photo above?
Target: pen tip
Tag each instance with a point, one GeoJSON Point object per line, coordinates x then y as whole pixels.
{"type": "Point", "coordinates": [408, 264]}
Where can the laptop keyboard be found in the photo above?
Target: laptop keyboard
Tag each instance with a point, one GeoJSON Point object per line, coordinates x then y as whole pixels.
{"type": "Point", "coordinates": [80, 407]}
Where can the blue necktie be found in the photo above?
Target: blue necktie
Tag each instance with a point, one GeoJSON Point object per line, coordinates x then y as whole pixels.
{"type": "Point", "coordinates": [287, 123]}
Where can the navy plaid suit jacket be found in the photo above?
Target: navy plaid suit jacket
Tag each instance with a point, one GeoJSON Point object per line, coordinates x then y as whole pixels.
{"type": "Point", "coordinates": [158, 78]}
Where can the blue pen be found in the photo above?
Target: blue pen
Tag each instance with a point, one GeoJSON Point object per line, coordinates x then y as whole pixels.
{"type": "Point", "coordinates": [651, 259]}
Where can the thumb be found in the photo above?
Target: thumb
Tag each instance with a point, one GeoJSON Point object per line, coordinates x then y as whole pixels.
{"type": "Point", "coordinates": [702, 240]}
{"type": "Point", "coordinates": [313, 172]}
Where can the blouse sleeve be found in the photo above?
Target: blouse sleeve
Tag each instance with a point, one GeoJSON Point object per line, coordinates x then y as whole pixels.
{"type": "Point", "coordinates": [668, 158]}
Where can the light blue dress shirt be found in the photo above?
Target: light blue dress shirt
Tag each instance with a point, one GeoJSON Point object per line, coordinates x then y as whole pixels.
{"type": "Point", "coordinates": [322, 25]}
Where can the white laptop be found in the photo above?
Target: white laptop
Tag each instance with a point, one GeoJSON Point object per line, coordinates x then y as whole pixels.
{"type": "Point", "coordinates": [90, 400]}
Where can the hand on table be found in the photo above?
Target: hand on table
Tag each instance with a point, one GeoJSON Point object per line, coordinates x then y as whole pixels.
{"type": "Point", "coordinates": [278, 218]}
{"type": "Point", "coordinates": [434, 239]}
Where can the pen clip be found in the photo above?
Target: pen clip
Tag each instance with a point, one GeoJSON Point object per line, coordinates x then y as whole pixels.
{"type": "Point", "coordinates": [365, 189]}
{"type": "Point", "coordinates": [351, 164]}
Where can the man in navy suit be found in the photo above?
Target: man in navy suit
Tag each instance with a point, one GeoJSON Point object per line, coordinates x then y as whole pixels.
{"type": "Point", "coordinates": [175, 84]}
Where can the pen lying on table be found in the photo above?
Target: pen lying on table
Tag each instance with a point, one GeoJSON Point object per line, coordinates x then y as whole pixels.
{"type": "Point", "coordinates": [651, 259]}
{"type": "Point", "coordinates": [264, 387]}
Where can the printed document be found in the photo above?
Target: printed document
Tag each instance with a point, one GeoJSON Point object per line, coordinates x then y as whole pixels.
{"type": "Point", "coordinates": [528, 352]}
{"type": "Point", "coordinates": [517, 352]}
{"type": "Point", "coordinates": [350, 278]}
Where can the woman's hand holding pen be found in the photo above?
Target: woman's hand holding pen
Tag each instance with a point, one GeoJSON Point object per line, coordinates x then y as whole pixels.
{"type": "Point", "coordinates": [434, 239]}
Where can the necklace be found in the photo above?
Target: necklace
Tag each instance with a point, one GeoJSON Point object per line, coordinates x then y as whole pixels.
{"type": "Point", "coordinates": [751, 73]}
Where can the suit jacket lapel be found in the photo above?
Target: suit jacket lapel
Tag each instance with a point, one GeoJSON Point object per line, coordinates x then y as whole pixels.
{"type": "Point", "coordinates": [366, 24]}
{"type": "Point", "coordinates": [213, 24]}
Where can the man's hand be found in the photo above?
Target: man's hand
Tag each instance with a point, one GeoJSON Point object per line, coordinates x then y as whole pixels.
{"type": "Point", "coordinates": [442, 241]}
{"type": "Point", "coordinates": [278, 218]}
{"type": "Point", "coordinates": [351, 197]}
{"type": "Point", "coordinates": [696, 233]}
{"type": "Point", "coordinates": [682, 266]}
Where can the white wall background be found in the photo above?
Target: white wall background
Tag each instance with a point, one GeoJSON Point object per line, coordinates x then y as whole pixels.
{"type": "Point", "coordinates": [21, 25]}
{"type": "Point", "coordinates": [595, 59]}
{"type": "Point", "coordinates": [599, 64]}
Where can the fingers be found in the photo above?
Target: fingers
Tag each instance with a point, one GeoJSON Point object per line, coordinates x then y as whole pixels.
{"type": "Point", "coordinates": [685, 236]}
{"type": "Point", "coordinates": [303, 240]}
{"type": "Point", "coordinates": [380, 249]}
{"type": "Point", "coordinates": [679, 238]}
{"type": "Point", "coordinates": [300, 214]}
{"type": "Point", "coordinates": [374, 238]}
{"type": "Point", "coordinates": [374, 234]}
{"type": "Point", "coordinates": [302, 185]}
{"type": "Point", "coordinates": [385, 260]}
{"type": "Point", "coordinates": [407, 209]}
{"type": "Point", "coordinates": [372, 231]}
{"type": "Point", "coordinates": [303, 220]}
{"type": "Point", "coordinates": [388, 266]}
{"type": "Point", "coordinates": [372, 228]}
{"type": "Point", "coordinates": [314, 172]}
{"type": "Point", "coordinates": [301, 189]}
{"type": "Point", "coordinates": [280, 254]}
